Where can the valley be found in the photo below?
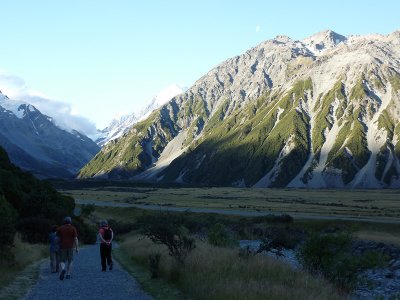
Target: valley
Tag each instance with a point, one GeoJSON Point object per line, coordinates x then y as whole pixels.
{"type": "Point", "coordinates": [275, 174]}
{"type": "Point", "coordinates": [380, 205]}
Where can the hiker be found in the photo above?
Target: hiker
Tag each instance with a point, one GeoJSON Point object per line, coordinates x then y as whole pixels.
{"type": "Point", "coordinates": [54, 250]}
{"type": "Point", "coordinates": [68, 240]}
{"type": "Point", "coordinates": [106, 237]}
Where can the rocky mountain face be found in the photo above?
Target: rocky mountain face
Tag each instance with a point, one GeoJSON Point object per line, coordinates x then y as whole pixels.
{"type": "Point", "coordinates": [122, 124]}
{"type": "Point", "coordinates": [319, 113]}
{"type": "Point", "coordinates": [36, 144]}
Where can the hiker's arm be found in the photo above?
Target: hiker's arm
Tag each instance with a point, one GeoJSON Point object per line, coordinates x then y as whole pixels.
{"type": "Point", "coordinates": [112, 236]}
{"type": "Point", "coordinates": [101, 237]}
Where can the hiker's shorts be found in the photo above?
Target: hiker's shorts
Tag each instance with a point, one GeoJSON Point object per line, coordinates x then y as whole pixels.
{"type": "Point", "coordinates": [66, 255]}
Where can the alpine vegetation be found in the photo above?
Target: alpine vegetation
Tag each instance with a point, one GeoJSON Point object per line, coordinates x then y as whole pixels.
{"type": "Point", "coordinates": [319, 113]}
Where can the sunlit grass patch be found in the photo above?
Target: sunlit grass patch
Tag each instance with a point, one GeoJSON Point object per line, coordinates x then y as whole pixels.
{"type": "Point", "coordinates": [218, 273]}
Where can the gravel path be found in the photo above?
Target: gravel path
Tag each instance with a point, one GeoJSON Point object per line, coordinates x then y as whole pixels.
{"type": "Point", "coordinates": [87, 281]}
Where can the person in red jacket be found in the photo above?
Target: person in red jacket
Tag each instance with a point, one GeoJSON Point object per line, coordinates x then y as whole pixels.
{"type": "Point", "coordinates": [106, 236]}
{"type": "Point", "coordinates": [68, 241]}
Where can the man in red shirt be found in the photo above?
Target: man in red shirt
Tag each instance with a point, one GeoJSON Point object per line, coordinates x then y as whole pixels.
{"type": "Point", "coordinates": [106, 236]}
{"type": "Point", "coordinates": [68, 241]}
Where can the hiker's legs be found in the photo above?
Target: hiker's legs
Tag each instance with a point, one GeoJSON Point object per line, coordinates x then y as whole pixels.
{"type": "Point", "coordinates": [63, 259]}
{"type": "Point", "coordinates": [70, 258]}
{"type": "Point", "coordinates": [53, 262]}
{"type": "Point", "coordinates": [109, 257]}
{"type": "Point", "coordinates": [103, 255]}
{"type": "Point", "coordinates": [57, 261]}
{"type": "Point", "coordinates": [69, 267]}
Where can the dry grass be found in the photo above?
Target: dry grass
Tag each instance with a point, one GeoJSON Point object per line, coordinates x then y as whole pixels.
{"type": "Point", "coordinates": [218, 273]}
{"type": "Point", "coordinates": [122, 214]}
{"type": "Point", "coordinates": [16, 278]}
{"type": "Point", "coordinates": [378, 236]}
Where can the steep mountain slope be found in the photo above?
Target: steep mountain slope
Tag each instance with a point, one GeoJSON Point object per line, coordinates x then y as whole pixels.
{"type": "Point", "coordinates": [36, 144]}
{"type": "Point", "coordinates": [121, 125]}
{"type": "Point", "coordinates": [322, 112]}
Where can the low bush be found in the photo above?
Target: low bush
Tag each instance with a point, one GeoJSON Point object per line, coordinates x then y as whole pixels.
{"type": "Point", "coordinates": [166, 229]}
{"type": "Point", "coordinates": [220, 235]}
{"type": "Point", "coordinates": [330, 255]}
{"type": "Point", "coordinates": [284, 218]}
{"type": "Point", "coordinates": [119, 227]}
{"type": "Point", "coordinates": [284, 237]}
{"type": "Point", "coordinates": [87, 210]}
{"type": "Point", "coordinates": [87, 233]}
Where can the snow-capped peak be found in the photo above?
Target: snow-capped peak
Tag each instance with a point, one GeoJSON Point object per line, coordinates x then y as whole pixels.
{"type": "Point", "coordinates": [163, 97]}
{"type": "Point", "coordinates": [122, 122]}
{"type": "Point", "coordinates": [13, 105]}
{"type": "Point", "coordinates": [167, 94]}
{"type": "Point", "coordinates": [323, 40]}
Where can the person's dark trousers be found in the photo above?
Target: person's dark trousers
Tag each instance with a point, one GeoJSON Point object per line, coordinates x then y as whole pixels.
{"type": "Point", "coordinates": [105, 253]}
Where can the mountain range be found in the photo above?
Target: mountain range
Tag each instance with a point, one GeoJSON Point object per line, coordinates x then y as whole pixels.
{"type": "Point", "coordinates": [322, 112]}
{"type": "Point", "coordinates": [35, 143]}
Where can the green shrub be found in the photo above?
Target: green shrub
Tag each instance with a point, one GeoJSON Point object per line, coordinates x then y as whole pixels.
{"type": "Point", "coordinates": [281, 237]}
{"type": "Point", "coordinates": [330, 255]}
{"type": "Point", "coordinates": [119, 227]}
{"type": "Point", "coordinates": [87, 210]}
{"type": "Point", "coordinates": [220, 235]}
{"type": "Point", "coordinates": [326, 255]}
{"type": "Point", "coordinates": [168, 230]}
{"type": "Point", "coordinates": [7, 223]}
{"type": "Point", "coordinates": [34, 229]}
{"type": "Point", "coordinates": [284, 218]}
{"type": "Point", "coordinates": [87, 233]}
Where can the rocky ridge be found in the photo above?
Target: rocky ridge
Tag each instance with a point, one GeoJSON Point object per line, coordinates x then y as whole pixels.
{"type": "Point", "coordinates": [35, 143]}
{"type": "Point", "coordinates": [321, 112]}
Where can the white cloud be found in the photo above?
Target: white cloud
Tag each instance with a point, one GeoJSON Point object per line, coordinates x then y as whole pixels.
{"type": "Point", "coordinates": [258, 28]}
{"type": "Point", "coordinates": [63, 114]}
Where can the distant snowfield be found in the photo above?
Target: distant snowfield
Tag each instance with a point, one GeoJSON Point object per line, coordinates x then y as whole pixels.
{"type": "Point", "coordinates": [12, 106]}
{"type": "Point", "coordinates": [123, 122]}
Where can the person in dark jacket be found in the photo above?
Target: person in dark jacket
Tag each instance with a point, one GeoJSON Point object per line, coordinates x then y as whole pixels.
{"type": "Point", "coordinates": [54, 250]}
{"type": "Point", "coordinates": [106, 236]}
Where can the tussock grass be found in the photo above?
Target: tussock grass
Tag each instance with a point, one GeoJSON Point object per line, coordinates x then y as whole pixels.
{"type": "Point", "coordinates": [18, 276]}
{"type": "Point", "coordinates": [218, 273]}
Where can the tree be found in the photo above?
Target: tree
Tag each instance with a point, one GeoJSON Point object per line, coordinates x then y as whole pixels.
{"type": "Point", "coordinates": [168, 230]}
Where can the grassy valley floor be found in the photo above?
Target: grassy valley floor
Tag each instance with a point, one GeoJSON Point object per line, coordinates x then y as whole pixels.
{"type": "Point", "coordinates": [383, 204]}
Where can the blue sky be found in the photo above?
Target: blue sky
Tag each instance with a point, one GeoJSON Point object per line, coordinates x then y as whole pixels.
{"type": "Point", "coordinates": [100, 58]}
